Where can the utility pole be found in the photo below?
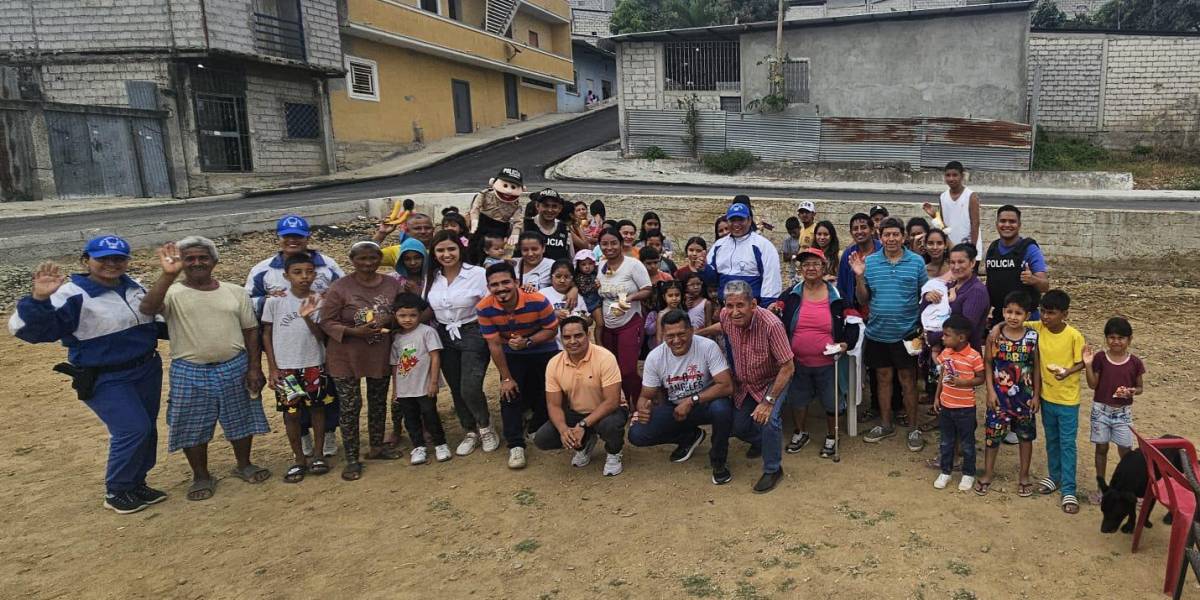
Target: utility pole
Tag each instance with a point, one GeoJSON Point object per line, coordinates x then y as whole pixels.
{"type": "Point", "coordinates": [777, 67]}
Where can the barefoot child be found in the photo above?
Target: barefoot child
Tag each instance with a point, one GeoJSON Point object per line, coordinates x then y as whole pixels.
{"type": "Point", "coordinates": [416, 358]}
{"type": "Point", "coordinates": [295, 348]}
{"type": "Point", "coordinates": [962, 371]}
{"type": "Point", "coordinates": [1116, 375]}
{"type": "Point", "coordinates": [1014, 387]}
{"type": "Point", "coordinates": [1060, 353]}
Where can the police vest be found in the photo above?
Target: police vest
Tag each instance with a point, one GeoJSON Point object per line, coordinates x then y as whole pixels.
{"type": "Point", "coordinates": [557, 243]}
{"type": "Point", "coordinates": [1004, 275]}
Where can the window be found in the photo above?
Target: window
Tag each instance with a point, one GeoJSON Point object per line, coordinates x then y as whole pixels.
{"type": "Point", "coordinates": [795, 81]}
{"type": "Point", "coordinates": [533, 39]}
{"type": "Point", "coordinates": [430, 5]}
{"type": "Point", "coordinates": [222, 132]}
{"type": "Point", "coordinates": [362, 79]}
{"type": "Point", "coordinates": [279, 29]}
{"type": "Point", "coordinates": [538, 83]}
{"type": "Point", "coordinates": [303, 121]}
{"type": "Point", "coordinates": [573, 87]}
{"type": "Point", "coordinates": [711, 66]}
{"type": "Point", "coordinates": [455, 9]}
{"type": "Point", "coordinates": [731, 104]}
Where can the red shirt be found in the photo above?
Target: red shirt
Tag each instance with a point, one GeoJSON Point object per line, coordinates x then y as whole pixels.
{"type": "Point", "coordinates": [758, 349]}
{"type": "Point", "coordinates": [1113, 376]}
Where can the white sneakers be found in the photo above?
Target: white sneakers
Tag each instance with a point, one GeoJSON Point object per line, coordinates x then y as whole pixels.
{"type": "Point", "coordinates": [583, 457]}
{"type": "Point", "coordinates": [331, 444]}
{"type": "Point", "coordinates": [964, 485]}
{"type": "Point", "coordinates": [419, 456]}
{"type": "Point", "coordinates": [442, 453]}
{"type": "Point", "coordinates": [612, 465]}
{"type": "Point", "coordinates": [490, 440]}
{"type": "Point", "coordinates": [468, 444]}
{"type": "Point", "coordinates": [516, 458]}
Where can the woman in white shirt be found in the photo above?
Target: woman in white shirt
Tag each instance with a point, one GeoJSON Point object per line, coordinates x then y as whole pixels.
{"type": "Point", "coordinates": [624, 283]}
{"type": "Point", "coordinates": [533, 269]}
{"type": "Point", "coordinates": [454, 289]}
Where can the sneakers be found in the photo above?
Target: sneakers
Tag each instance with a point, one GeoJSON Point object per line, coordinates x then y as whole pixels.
{"type": "Point", "coordinates": [306, 443]}
{"type": "Point", "coordinates": [878, 433]}
{"type": "Point", "coordinates": [583, 457]}
{"type": "Point", "coordinates": [966, 484]}
{"type": "Point", "coordinates": [683, 452]}
{"type": "Point", "coordinates": [768, 481]}
{"type": "Point", "coordinates": [468, 444]}
{"type": "Point", "coordinates": [331, 444]}
{"type": "Point", "coordinates": [943, 479]}
{"type": "Point", "coordinates": [800, 439]}
{"type": "Point", "coordinates": [612, 465]}
{"type": "Point", "coordinates": [829, 448]}
{"type": "Point", "coordinates": [419, 456]}
{"type": "Point", "coordinates": [490, 440]}
{"type": "Point", "coordinates": [916, 442]}
{"type": "Point", "coordinates": [721, 475]}
{"type": "Point", "coordinates": [124, 503]}
{"type": "Point", "coordinates": [442, 452]}
{"type": "Point", "coordinates": [516, 458]}
{"type": "Point", "coordinates": [148, 495]}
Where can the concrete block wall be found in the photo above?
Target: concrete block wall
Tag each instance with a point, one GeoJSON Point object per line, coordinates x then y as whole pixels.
{"type": "Point", "coordinates": [321, 37]}
{"type": "Point", "coordinates": [637, 69]}
{"type": "Point", "coordinates": [99, 83]}
{"type": "Point", "coordinates": [272, 152]}
{"type": "Point", "coordinates": [16, 25]}
{"type": "Point", "coordinates": [67, 25]}
{"type": "Point", "coordinates": [590, 23]}
{"type": "Point", "coordinates": [1071, 69]}
{"type": "Point", "coordinates": [229, 25]}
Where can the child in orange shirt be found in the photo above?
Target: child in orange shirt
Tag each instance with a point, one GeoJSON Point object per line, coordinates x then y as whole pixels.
{"type": "Point", "coordinates": [961, 372]}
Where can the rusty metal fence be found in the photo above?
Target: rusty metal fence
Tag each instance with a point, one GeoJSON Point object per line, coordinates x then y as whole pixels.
{"type": "Point", "coordinates": [915, 142]}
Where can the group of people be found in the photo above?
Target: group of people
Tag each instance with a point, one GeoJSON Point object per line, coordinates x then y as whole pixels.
{"type": "Point", "coordinates": [566, 303]}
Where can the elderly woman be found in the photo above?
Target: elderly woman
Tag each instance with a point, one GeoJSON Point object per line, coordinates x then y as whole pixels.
{"type": "Point", "coordinates": [354, 314]}
{"type": "Point", "coordinates": [455, 289]}
{"type": "Point", "coordinates": [814, 315]}
{"type": "Point", "coordinates": [112, 354]}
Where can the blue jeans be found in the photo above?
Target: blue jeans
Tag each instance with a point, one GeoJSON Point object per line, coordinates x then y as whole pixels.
{"type": "Point", "coordinates": [1061, 424]}
{"type": "Point", "coordinates": [957, 425]}
{"type": "Point", "coordinates": [768, 436]}
{"type": "Point", "coordinates": [664, 429]}
{"type": "Point", "coordinates": [127, 402]}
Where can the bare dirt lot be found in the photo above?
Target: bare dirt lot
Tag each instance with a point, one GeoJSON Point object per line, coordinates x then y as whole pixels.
{"type": "Point", "coordinates": [869, 527]}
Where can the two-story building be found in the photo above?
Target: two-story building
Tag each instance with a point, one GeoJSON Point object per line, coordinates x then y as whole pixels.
{"type": "Point", "coordinates": [422, 70]}
{"type": "Point", "coordinates": [169, 97]}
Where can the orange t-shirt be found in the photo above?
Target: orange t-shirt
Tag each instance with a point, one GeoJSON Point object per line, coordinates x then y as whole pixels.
{"type": "Point", "coordinates": [955, 364]}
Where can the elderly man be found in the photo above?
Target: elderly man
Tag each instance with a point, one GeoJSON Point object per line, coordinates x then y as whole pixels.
{"type": "Point", "coordinates": [419, 227]}
{"type": "Point", "coordinates": [583, 399]}
{"type": "Point", "coordinates": [890, 282]}
{"type": "Point", "coordinates": [686, 383]}
{"type": "Point", "coordinates": [762, 369]}
{"type": "Point", "coordinates": [215, 364]}
{"type": "Point", "coordinates": [744, 255]}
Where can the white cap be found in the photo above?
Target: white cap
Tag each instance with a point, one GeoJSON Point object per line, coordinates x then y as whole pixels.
{"type": "Point", "coordinates": [807, 205]}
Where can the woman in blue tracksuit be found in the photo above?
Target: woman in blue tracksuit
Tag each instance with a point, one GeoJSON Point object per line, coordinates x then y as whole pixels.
{"type": "Point", "coordinates": [112, 349]}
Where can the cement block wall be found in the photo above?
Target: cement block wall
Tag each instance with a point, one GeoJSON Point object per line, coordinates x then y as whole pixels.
{"type": "Point", "coordinates": [273, 152]}
{"type": "Point", "coordinates": [100, 83]}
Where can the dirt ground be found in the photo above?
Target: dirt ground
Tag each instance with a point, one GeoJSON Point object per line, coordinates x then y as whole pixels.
{"type": "Point", "coordinates": [869, 527]}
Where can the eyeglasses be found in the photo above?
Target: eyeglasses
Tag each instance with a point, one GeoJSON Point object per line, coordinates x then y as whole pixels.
{"type": "Point", "coordinates": [811, 265]}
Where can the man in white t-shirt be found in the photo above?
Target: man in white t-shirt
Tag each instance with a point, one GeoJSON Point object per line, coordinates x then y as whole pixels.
{"type": "Point", "coordinates": [958, 210]}
{"type": "Point", "coordinates": [686, 382]}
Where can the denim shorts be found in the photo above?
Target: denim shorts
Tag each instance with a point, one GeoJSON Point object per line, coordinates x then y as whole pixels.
{"type": "Point", "coordinates": [809, 383]}
{"type": "Point", "coordinates": [1112, 424]}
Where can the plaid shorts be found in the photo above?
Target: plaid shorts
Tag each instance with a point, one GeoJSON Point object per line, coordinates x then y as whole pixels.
{"type": "Point", "coordinates": [203, 395]}
{"type": "Point", "coordinates": [315, 383]}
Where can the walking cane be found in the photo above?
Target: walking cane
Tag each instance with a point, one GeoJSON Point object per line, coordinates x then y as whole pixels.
{"type": "Point", "coordinates": [837, 441]}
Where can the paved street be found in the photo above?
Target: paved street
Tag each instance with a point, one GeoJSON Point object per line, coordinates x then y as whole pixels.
{"type": "Point", "coordinates": [470, 172]}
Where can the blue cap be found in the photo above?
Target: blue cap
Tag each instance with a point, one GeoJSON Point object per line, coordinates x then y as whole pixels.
{"type": "Point", "coordinates": [106, 245]}
{"type": "Point", "coordinates": [738, 211]}
{"type": "Point", "coordinates": [292, 225]}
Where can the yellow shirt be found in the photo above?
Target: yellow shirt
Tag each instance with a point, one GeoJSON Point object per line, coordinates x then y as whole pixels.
{"type": "Point", "coordinates": [806, 235]}
{"type": "Point", "coordinates": [391, 255]}
{"type": "Point", "coordinates": [1062, 349]}
{"type": "Point", "coordinates": [583, 383]}
{"type": "Point", "coordinates": [206, 326]}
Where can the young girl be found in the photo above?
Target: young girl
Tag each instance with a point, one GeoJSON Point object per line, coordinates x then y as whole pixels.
{"type": "Point", "coordinates": [695, 300]}
{"type": "Point", "coordinates": [1116, 375]}
{"type": "Point", "coordinates": [453, 221]}
{"type": "Point", "coordinates": [720, 228]}
{"type": "Point", "coordinates": [562, 279]}
{"type": "Point", "coordinates": [596, 222]}
{"type": "Point", "coordinates": [579, 225]}
{"type": "Point", "coordinates": [651, 223]}
{"type": "Point", "coordinates": [410, 269]}
{"type": "Point", "coordinates": [935, 253]}
{"type": "Point", "coordinates": [533, 270]}
{"type": "Point", "coordinates": [696, 250]}
{"type": "Point", "coordinates": [670, 297]}
{"type": "Point", "coordinates": [825, 239]}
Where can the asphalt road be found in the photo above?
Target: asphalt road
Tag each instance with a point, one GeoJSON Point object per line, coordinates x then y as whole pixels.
{"type": "Point", "coordinates": [467, 173]}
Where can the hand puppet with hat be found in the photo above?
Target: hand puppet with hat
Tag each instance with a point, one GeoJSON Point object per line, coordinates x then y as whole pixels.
{"type": "Point", "coordinates": [495, 211]}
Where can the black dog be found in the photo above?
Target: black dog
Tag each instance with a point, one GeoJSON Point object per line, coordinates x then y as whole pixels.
{"type": "Point", "coordinates": [1128, 484]}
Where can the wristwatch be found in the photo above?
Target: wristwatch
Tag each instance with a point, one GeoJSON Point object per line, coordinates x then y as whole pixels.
{"type": "Point", "coordinates": [695, 398]}
{"type": "Point", "coordinates": [582, 424]}
{"type": "Point", "coordinates": [769, 399]}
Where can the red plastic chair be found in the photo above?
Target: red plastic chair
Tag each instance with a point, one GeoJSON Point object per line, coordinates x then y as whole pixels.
{"type": "Point", "coordinates": [1168, 486]}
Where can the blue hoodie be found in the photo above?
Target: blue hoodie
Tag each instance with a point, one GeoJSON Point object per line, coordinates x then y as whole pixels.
{"type": "Point", "coordinates": [411, 245]}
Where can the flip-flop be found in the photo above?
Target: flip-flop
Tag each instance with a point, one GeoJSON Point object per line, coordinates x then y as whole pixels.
{"type": "Point", "coordinates": [1047, 486]}
{"type": "Point", "coordinates": [295, 474]}
{"type": "Point", "coordinates": [202, 490]}
{"type": "Point", "coordinates": [318, 467]}
{"type": "Point", "coordinates": [352, 471]}
{"type": "Point", "coordinates": [982, 487]}
{"type": "Point", "coordinates": [251, 473]}
{"type": "Point", "coordinates": [1024, 490]}
{"type": "Point", "coordinates": [1070, 504]}
{"type": "Point", "coordinates": [384, 454]}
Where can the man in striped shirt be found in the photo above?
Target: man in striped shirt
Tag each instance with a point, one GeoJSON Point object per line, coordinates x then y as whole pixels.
{"type": "Point", "coordinates": [891, 281]}
{"type": "Point", "coordinates": [519, 328]}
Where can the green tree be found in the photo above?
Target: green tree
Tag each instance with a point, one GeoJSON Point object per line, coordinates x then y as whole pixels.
{"type": "Point", "coordinates": [1046, 15]}
{"type": "Point", "coordinates": [1149, 15]}
{"type": "Point", "coordinates": [631, 16]}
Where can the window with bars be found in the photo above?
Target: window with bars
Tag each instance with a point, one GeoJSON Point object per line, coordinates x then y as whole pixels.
{"type": "Point", "coordinates": [362, 79]}
{"type": "Point", "coordinates": [303, 121]}
{"type": "Point", "coordinates": [279, 28]}
{"type": "Point", "coordinates": [731, 104]}
{"type": "Point", "coordinates": [795, 81]}
{"type": "Point", "coordinates": [702, 66]}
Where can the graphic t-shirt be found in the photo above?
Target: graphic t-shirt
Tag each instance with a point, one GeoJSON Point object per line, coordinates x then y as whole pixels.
{"type": "Point", "coordinates": [410, 360]}
{"type": "Point", "coordinates": [293, 342]}
{"type": "Point", "coordinates": [1114, 375]}
{"type": "Point", "coordinates": [1012, 371]}
{"type": "Point", "coordinates": [682, 376]}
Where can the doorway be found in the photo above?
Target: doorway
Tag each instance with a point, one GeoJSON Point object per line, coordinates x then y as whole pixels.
{"type": "Point", "coordinates": [511, 109]}
{"type": "Point", "coordinates": [462, 106]}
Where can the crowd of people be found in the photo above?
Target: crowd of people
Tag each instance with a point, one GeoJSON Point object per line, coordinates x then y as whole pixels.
{"type": "Point", "coordinates": [601, 331]}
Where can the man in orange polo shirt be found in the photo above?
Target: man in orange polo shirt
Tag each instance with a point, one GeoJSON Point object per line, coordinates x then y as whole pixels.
{"type": "Point", "coordinates": [583, 399]}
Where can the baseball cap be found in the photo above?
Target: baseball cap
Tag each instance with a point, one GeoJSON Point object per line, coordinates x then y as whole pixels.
{"type": "Point", "coordinates": [292, 225]}
{"type": "Point", "coordinates": [106, 245]}
{"type": "Point", "coordinates": [877, 209]}
{"type": "Point", "coordinates": [807, 205]}
{"type": "Point", "coordinates": [584, 255]}
{"type": "Point", "coordinates": [738, 211]}
{"type": "Point", "coordinates": [511, 175]}
{"type": "Point", "coordinates": [546, 194]}
{"type": "Point", "coordinates": [817, 252]}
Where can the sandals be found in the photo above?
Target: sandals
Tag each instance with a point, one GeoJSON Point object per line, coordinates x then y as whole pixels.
{"type": "Point", "coordinates": [384, 453]}
{"type": "Point", "coordinates": [1025, 490]}
{"type": "Point", "coordinates": [1047, 486]}
{"type": "Point", "coordinates": [295, 474]}
{"type": "Point", "coordinates": [1070, 504]}
{"type": "Point", "coordinates": [982, 487]}
{"type": "Point", "coordinates": [352, 471]}
{"type": "Point", "coordinates": [202, 490]}
{"type": "Point", "coordinates": [318, 467]}
{"type": "Point", "coordinates": [251, 473]}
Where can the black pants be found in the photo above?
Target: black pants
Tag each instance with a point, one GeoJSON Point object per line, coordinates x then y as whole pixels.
{"type": "Point", "coordinates": [420, 415]}
{"type": "Point", "coordinates": [529, 373]}
{"type": "Point", "coordinates": [611, 429]}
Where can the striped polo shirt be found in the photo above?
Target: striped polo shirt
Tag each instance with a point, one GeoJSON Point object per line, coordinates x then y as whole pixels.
{"type": "Point", "coordinates": [895, 295]}
{"type": "Point", "coordinates": [533, 314]}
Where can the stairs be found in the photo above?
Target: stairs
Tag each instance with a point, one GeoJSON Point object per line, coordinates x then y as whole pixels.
{"type": "Point", "coordinates": [499, 15]}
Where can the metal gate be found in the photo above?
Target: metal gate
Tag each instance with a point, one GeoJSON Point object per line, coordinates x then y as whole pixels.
{"type": "Point", "coordinates": [98, 154]}
{"type": "Point", "coordinates": [16, 152]}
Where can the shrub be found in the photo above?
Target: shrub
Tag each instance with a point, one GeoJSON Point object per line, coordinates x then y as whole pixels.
{"type": "Point", "coordinates": [1066, 154]}
{"type": "Point", "coordinates": [728, 162]}
{"type": "Point", "coordinates": [654, 153]}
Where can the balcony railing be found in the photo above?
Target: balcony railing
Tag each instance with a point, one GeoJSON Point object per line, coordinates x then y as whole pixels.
{"type": "Point", "coordinates": [275, 36]}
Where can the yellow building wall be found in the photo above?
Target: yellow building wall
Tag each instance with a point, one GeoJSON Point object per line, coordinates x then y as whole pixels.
{"type": "Point", "coordinates": [552, 37]}
{"type": "Point", "coordinates": [415, 88]}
